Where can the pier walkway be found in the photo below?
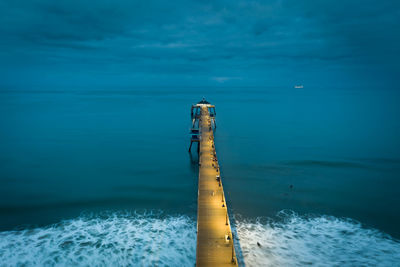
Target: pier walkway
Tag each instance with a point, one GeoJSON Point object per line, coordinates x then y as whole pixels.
{"type": "Point", "coordinates": [214, 236]}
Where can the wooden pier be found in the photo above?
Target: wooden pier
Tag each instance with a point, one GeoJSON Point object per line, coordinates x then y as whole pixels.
{"type": "Point", "coordinates": [215, 243]}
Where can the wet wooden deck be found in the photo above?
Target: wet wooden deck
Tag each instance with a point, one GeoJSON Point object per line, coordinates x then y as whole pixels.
{"type": "Point", "coordinates": [214, 235]}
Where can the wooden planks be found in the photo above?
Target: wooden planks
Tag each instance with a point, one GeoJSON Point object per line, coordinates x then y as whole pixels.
{"type": "Point", "coordinates": [214, 236]}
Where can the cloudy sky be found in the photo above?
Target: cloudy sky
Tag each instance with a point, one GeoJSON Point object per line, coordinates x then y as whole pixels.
{"type": "Point", "coordinates": [199, 43]}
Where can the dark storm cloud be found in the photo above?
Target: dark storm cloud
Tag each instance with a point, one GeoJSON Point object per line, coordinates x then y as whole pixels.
{"type": "Point", "coordinates": [213, 41]}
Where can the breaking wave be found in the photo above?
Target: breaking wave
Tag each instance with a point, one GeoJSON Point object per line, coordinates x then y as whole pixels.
{"type": "Point", "coordinates": [319, 241]}
{"type": "Point", "coordinates": [110, 240]}
{"type": "Point", "coordinates": [132, 239]}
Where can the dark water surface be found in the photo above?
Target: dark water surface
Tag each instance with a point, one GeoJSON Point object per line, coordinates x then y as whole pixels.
{"type": "Point", "coordinates": [314, 151]}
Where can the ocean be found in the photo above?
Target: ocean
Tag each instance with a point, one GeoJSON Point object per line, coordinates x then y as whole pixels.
{"type": "Point", "coordinates": [103, 176]}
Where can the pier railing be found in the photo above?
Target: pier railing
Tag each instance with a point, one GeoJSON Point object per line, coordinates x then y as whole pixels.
{"type": "Point", "coordinates": [215, 239]}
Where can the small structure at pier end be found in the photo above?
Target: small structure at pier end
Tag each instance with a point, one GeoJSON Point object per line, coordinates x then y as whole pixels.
{"type": "Point", "coordinates": [215, 242]}
{"type": "Point", "coordinates": [195, 114]}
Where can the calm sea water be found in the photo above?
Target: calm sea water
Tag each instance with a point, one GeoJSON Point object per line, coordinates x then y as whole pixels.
{"type": "Point", "coordinates": [103, 176]}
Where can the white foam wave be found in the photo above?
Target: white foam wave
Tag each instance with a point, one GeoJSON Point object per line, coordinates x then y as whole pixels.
{"type": "Point", "coordinates": [116, 240]}
{"type": "Point", "coordinates": [317, 241]}
{"type": "Point", "coordinates": [155, 240]}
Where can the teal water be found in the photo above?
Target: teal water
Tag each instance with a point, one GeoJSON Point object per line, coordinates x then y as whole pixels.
{"type": "Point", "coordinates": [330, 156]}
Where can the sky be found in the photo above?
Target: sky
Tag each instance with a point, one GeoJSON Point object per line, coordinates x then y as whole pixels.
{"type": "Point", "coordinates": [47, 43]}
